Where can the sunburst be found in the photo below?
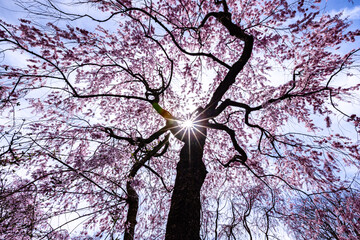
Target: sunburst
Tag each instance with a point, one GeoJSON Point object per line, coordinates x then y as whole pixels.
{"type": "Point", "coordinates": [187, 124]}
{"type": "Point", "coordinates": [190, 127]}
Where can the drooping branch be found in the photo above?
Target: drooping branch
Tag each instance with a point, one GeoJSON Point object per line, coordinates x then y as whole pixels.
{"type": "Point", "coordinates": [62, 13]}
{"type": "Point", "coordinates": [229, 102]}
{"type": "Point", "coordinates": [289, 95]}
{"type": "Point", "coordinates": [5, 194]}
{"type": "Point", "coordinates": [246, 214]}
{"type": "Point", "coordinates": [234, 159]}
{"type": "Point", "coordinates": [111, 133]}
{"type": "Point", "coordinates": [248, 110]}
{"type": "Point", "coordinates": [172, 125]}
{"type": "Point", "coordinates": [138, 164]}
{"type": "Point", "coordinates": [141, 142]}
{"type": "Point", "coordinates": [231, 133]}
{"type": "Point", "coordinates": [74, 92]}
{"type": "Point", "coordinates": [133, 197]}
{"type": "Point", "coordinates": [159, 176]}
{"type": "Point", "coordinates": [128, 10]}
{"type": "Point", "coordinates": [51, 155]}
{"type": "Point", "coordinates": [125, 9]}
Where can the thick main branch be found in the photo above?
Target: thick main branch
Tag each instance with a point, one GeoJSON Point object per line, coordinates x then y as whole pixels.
{"type": "Point", "coordinates": [234, 30]}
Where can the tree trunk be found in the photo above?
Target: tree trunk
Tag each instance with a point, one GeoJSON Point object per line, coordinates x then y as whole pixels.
{"type": "Point", "coordinates": [184, 216]}
{"type": "Point", "coordinates": [133, 201]}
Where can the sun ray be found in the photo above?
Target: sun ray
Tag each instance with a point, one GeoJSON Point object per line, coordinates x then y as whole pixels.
{"type": "Point", "coordinates": [195, 128]}
{"type": "Point", "coordinates": [196, 137]}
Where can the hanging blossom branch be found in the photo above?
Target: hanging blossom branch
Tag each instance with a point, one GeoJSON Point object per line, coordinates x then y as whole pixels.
{"type": "Point", "coordinates": [231, 133]}
{"type": "Point", "coordinates": [132, 196]}
{"type": "Point", "coordinates": [127, 10]}
{"type": "Point", "coordinates": [287, 95]}
{"type": "Point", "coordinates": [53, 156]}
{"type": "Point", "coordinates": [17, 43]}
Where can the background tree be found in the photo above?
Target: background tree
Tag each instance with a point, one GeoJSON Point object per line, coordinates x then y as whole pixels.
{"type": "Point", "coordinates": [94, 134]}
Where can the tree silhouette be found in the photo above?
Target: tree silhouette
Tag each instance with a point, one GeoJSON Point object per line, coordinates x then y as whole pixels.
{"type": "Point", "coordinates": [178, 120]}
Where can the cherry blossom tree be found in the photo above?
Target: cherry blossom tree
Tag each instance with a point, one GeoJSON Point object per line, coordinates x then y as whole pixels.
{"type": "Point", "coordinates": [179, 120]}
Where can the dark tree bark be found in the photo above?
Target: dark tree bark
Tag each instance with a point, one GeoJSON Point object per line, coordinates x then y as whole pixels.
{"type": "Point", "coordinates": [184, 216]}
{"type": "Point", "coordinates": [133, 202]}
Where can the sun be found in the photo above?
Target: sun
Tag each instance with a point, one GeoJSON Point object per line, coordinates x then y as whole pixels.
{"type": "Point", "coordinates": [187, 123]}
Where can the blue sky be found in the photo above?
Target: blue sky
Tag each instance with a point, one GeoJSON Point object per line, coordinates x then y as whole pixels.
{"type": "Point", "coordinates": [335, 5]}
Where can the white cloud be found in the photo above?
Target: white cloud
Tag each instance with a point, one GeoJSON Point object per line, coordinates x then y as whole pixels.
{"type": "Point", "coordinates": [352, 13]}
